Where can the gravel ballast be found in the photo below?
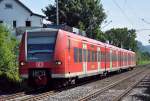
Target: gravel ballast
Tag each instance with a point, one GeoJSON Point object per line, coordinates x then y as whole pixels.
{"type": "Point", "coordinates": [76, 93]}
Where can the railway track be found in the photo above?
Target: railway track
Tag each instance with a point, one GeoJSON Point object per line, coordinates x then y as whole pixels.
{"type": "Point", "coordinates": [140, 92]}
{"type": "Point", "coordinates": [30, 95]}
{"type": "Point", "coordinates": [12, 96]}
{"type": "Point", "coordinates": [100, 93]}
{"type": "Point", "coordinates": [42, 96]}
{"type": "Point", "coordinates": [119, 98]}
{"type": "Point", "coordinates": [24, 96]}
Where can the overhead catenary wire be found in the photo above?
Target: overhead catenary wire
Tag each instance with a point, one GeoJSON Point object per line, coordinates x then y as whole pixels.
{"type": "Point", "coordinates": [107, 24]}
{"type": "Point", "coordinates": [123, 12]}
{"type": "Point", "coordinates": [137, 16]}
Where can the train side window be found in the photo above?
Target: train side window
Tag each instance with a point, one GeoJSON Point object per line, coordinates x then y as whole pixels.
{"type": "Point", "coordinates": [99, 56]}
{"type": "Point", "coordinates": [80, 55]}
{"type": "Point", "coordinates": [93, 53]}
{"type": "Point", "coordinates": [76, 55]}
{"type": "Point", "coordinates": [107, 57]}
{"type": "Point", "coordinates": [85, 55]}
{"type": "Point", "coordinates": [96, 56]}
{"type": "Point", "coordinates": [114, 57]}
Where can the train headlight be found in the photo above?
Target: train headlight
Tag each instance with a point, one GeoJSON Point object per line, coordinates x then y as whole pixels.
{"type": "Point", "coordinates": [22, 63]}
{"type": "Point", "coordinates": [58, 62]}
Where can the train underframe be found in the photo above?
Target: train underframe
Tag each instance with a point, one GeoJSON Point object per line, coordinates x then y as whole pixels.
{"type": "Point", "coordinates": [42, 77]}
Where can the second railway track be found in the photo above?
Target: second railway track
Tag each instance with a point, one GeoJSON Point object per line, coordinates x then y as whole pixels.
{"type": "Point", "coordinates": [114, 92]}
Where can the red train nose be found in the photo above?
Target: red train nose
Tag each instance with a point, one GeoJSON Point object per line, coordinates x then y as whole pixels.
{"type": "Point", "coordinates": [41, 80]}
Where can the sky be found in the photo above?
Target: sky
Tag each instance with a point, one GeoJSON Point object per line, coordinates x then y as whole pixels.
{"type": "Point", "coordinates": [133, 14]}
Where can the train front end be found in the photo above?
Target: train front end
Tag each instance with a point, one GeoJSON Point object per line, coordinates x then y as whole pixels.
{"type": "Point", "coordinates": [36, 58]}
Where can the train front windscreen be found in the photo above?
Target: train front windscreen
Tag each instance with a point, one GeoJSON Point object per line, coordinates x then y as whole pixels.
{"type": "Point", "coordinates": [40, 46]}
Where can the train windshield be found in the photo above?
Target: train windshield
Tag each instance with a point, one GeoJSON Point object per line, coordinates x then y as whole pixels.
{"type": "Point", "coordinates": [40, 46]}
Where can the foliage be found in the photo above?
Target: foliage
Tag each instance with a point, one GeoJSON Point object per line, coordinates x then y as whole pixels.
{"type": "Point", "coordinates": [84, 14]}
{"type": "Point", "coordinates": [8, 60]}
{"type": "Point", "coordinates": [143, 57]}
{"type": "Point", "coordinates": [122, 37]}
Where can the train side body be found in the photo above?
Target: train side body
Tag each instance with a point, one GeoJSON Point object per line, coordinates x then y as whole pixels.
{"type": "Point", "coordinates": [73, 56]}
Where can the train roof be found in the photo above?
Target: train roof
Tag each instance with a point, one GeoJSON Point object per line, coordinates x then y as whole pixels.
{"type": "Point", "coordinates": [42, 30]}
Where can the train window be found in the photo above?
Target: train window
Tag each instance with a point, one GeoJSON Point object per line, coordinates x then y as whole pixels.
{"type": "Point", "coordinates": [103, 57]}
{"type": "Point", "coordinates": [96, 57]}
{"type": "Point", "coordinates": [129, 58]}
{"type": "Point", "coordinates": [107, 57]}
{"type": "Point", "coordinates": [124, 58]}
{"type": "Point", "coordinates": [85, 55]}
{"type": "Point", "coordinates": [80, 55]}
{"type": "Point", "coordinates": [76, 55]}
{"type": "Point", "coordinates": [41, 45]}
{"type": "Point", "coordinates": [92, 56]}
{"type": "Point", "coordinates": [113, 57]}
{"type": "Point", "coordinates": [99, 56]}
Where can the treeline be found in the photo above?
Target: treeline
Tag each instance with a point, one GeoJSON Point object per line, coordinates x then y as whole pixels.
{"type": "Point", "coordinates": [88, 15]}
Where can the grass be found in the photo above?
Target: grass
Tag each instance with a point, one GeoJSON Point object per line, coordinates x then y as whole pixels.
{"type": "Point", "coordinates": [144, 62]}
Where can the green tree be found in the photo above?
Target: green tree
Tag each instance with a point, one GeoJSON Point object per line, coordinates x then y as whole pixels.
{"type": "Point", "coordinates": [84, 14]}
{"type": "Point", "coordinates": [122, 37]}
{"type": "Point", "coordinates": [8, 60]}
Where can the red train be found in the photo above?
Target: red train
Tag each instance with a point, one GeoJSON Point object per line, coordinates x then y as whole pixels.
{"type": "Point", "coordinates": [48, 55]}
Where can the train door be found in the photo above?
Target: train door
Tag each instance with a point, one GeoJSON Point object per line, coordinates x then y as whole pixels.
{"type": "Point", "coordinates": [111, 59]}
{"type": "Point", "coordinates": [84, 58]}
{"type": "Point", "coordinates": [99, 58]}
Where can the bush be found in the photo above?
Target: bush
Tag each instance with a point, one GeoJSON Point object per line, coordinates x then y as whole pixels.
{"type": "Point", "coordinates": [8, 54]}
{"type": "Point", "coordinates": [143, 57]}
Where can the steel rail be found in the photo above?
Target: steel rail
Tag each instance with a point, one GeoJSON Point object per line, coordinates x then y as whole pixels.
{"type": "Point", "coordinates": [96, 93]}
{"type": "Point", "coordinates": [118, 98]}
{"type": "Point", "coordinates": [40, 96]}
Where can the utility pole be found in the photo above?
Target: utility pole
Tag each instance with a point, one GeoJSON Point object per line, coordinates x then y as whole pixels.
{"type": "Point", "coordinates": [57, 12]}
